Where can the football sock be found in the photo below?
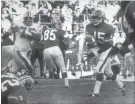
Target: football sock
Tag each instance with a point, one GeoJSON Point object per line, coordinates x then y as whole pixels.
{"type": "Point", "coordinates": [119, 83]}
{"type": "Point", "coordinates": [97, 86]}
{"type": "Point", "coordinates": [66, 81]}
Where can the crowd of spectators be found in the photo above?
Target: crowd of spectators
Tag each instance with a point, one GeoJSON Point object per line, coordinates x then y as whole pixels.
{"type": "Point", "coordinates": [69, 12]}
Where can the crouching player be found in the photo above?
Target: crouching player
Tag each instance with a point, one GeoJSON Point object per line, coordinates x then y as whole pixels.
{"type": "Point", "coordinates": [14, 90]}
{"type": "Point", "coordinates": [52, 53]}
{"type": "Point", "coordinates": [102, 33]}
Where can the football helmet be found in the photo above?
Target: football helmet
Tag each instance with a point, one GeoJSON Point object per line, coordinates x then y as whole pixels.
{"type": "Point", "coordinates": [27, 81]}
{"type": "Point", "coordinates": [57, 23]}
{"type": "Point", "coordinates": [97, 17]}
{"type": "Point", "coordinates": [27, 18]}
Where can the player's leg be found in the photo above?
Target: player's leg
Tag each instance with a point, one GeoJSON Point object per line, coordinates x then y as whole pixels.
{"type": "Point", "coordinates": [6, 56]}
{"type": "Point", "coordinates": [124, 71]}
{"type": "Point", "coordinates": [80, 50]}
{"type": "Point", "coordinates": [59, 60]}
{"type": "Point", "coordinates": [103, 63]}
{"type": "Point", "coordinates": [40, 59]}
{"type": "Point", "coordinates": [127, 48]}
{"type": "Point", "coordinates": [33, 59]}
{"type": "Point", "coordinates": [33, 56]}
{"type": "Point", "coordinates": [130, 67]}
{"type": "Point", "coordinates": [132, 60]}
{"type": "Point", "coordinates": [99, 79]}
{"type": "Point", "coordinates": [132, 47]}
{"type": "Point", "coordinates": [112, 72]}
{"type": "Point", "coordinates": [48, 58]}
{"type": "Point", "coordinates": [100, 76]}
{"type": "Point", "coordinates": [22, 60]}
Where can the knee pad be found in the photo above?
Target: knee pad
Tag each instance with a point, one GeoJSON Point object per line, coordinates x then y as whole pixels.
{"type": "Point", "coordinates": [64, 75]}
{"type": "Point", "coordinates": [100, 77]}
{"type": "Point", "coordinates": [113, 77]}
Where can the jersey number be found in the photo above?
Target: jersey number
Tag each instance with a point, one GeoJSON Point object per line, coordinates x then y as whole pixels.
{"type": "Point", "coordinates": [12, 82]}
{"type": "Point", "coordinates": [49, 35]}
{"type": "Point", "coordinates": [99, 35]}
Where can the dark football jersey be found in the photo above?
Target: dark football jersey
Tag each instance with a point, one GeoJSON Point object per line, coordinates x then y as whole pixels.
{"type": "Point", "coordinates": [10, 86]}
{"type": "Point", "coordinates": [101, 32]}
{"type": "Point", "coordinates": [51, 37]}
{"type": "Point", "coordinates": [130, 15]}
{"type": "Point", "coordinates": [127, 23]}
{"type": "Point", "coordinates": [127, 19]}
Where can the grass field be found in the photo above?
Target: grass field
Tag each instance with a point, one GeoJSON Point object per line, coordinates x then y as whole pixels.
{"type": "Point", "coordinates": [51, 91]}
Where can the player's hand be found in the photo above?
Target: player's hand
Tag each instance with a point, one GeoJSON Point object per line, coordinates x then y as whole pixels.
{"type": "Point", "coordinates": [101, 40]}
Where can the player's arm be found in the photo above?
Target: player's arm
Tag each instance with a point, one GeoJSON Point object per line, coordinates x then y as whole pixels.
{"type": "Point", "coordinates": [10, 31]}
{"type": "Point", "coordinates": [5, 34]}
{"type": "Point", "coordinates": [130, 14]}
{"type": "Point", "coordinates": [35, 34]}
{"type": "Point", "coordinates": [89, 39]}
{"type": "Point", "coordinates": [63, 39]}
{"type": "Point", "coordinates": [130, 17]}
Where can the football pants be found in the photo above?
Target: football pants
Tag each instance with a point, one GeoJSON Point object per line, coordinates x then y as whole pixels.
{"type": "Point", "coordinates": [54, 58]}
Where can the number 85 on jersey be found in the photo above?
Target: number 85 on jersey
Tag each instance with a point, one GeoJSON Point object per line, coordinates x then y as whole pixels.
{"type": "Point", "coordinates": [49, 35]}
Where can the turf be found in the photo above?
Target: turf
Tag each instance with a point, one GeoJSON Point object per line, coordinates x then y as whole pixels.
{"type": "Point", "coordinates": [51, 91]}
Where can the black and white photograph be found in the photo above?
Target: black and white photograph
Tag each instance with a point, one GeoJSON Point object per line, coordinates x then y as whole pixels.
{"type": "Point", "coordinates": [67, 52]}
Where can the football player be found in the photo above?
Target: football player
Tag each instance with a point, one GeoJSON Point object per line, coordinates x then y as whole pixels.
{"type": "Point", "coordinates": [102, 33]}
{"type": "Point", "coordinates": [12, 91]}
{"type": "Point", "coordinates": [128, 26]}
{"type": "Point", "coordinates": [52, 53]}
{"type": "Point", "coordinates": [24, 32]}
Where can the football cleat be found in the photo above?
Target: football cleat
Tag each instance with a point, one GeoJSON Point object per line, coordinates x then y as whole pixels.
{"type": "Point", "coordinates": [122, 90]}
{"type": "Point", "coordinates": [67, 86]}
{"type": "Point", "coordinates": [92, 94]}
